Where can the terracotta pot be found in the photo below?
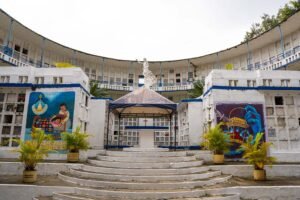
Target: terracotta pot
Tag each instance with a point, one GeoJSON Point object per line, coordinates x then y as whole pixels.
{"type": "Point", "coordinates": [73, 157]}
{"type": "Point", "coordinates": [259, 175]}
{"type": "Point", "coordinates": [29, 176]}
{"type": "Point", "coordinates": [218, 158]}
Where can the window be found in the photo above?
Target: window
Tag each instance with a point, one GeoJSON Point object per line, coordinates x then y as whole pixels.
{"type": "Point", "coordinates": [8, 119]}
{"type": "Point", "coordinates": [178, 75]}
{"type": "Point", "coordinates": [86, 101]}
{"type": "Point", "coordinates": [4, 79]}
{"type": "Point", "coordinates": [251, 83]}
{"type": "Point", "coordinates": [39, 80]}
{"type": "Point", "coordinates": [281, 122]}
{"type": "Point", "coordinates": [233, 83]}
{"type": "Point", "coordinates": [11, 97]}
{"type": "Point", "coordinates": [2, 97]}
{"type": "Point", "coordinates": [171, 71]}
{"type": "Point", "coordinates": [25, 51]}
{"type": "Point", "coordinates": [285, 82]}
{"type": "Point", "coordinates": [58, 80]}
{"type": "Point", "coordinates": [6, 130]}
{"type": "Point", "coordinates": [17, 130]}
{"type": "Point", "coordinates": [21, 97]}
{"type": "Point", "coordinates": [141, 80]}
{"type": "Point", "coordinates": [17, 48]}
{"type": "Point", "coordinates": [278, 100]}
{"type": "Point", "coordinates": [20, 108]}
{"type": "Point", "coordinates": [267, 82]}
{"type": "Point", "coordinates": [190, 76]}
{"type": "Point", "coordinates": [23, 79]}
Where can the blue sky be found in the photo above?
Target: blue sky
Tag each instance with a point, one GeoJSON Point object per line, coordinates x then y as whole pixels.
{"type": "Point", "coordinates": [131, 29]}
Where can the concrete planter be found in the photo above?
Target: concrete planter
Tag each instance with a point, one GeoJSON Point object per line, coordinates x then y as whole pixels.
{"type": "Point", "coordinates": [29, 176]}
{"type": "Point", "coordinates": [259, 175]}
{"type": "Point", "coordinates": [73, 157]}
{"type": "Point", "coordinates": [218, 158]}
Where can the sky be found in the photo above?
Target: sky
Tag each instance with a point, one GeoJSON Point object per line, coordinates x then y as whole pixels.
{"type": "Point", "coordinates": [136, 29]}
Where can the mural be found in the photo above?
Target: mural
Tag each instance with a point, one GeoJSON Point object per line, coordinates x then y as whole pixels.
{"type": "Point", "coordinates": [51, 111]}
{"type": "Point", "coordinates": [240, 121]}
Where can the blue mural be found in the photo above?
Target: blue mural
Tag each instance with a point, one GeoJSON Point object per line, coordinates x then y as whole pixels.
{"type": "Point", "coordinates": [51, 111]}
{"type": "Point", "coordinates": [240, 121]}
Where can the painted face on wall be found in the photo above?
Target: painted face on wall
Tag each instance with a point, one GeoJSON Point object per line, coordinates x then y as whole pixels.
{"type": "Point", "coordinates": [240, 121]}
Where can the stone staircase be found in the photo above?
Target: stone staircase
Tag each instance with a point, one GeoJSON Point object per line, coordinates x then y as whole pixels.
{"type": "Point", "coordinates": [142, 175]}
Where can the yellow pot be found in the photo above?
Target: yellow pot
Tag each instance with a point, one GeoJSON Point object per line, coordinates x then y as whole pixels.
{"type": "Point", "coordinates": [218, 158]}
{"type": "Point", "coordinates": [73, 157]}
{"type": "Point", "coordinates": [29, 176]}
{"type": "Point", "coordinates": [259, 175]}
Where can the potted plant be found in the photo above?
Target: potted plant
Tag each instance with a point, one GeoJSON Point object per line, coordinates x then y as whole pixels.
{"type": "Point", "coordinates": [74, 142]}
{"type": "Point", "coordinates": [32, 152]}
{"type": "Point", "coordinates": [256, 153]}
{"type": "Point", "coordinates": [218, 142]}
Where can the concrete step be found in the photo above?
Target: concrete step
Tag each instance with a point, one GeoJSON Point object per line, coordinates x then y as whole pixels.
{"type": "Point", "coordinates": [67, 196]}
{"type": "Point", "coordinates": [171, 185]}
{"type": "Point", "coordinates": [145, 165]}
{"type": "Point", "coordinates": [147, 159]}
{"type": "Point", "coordinates": [134, 149]}
{"type": "Point", "coordinates": [142, 178]}
{"type": "Point", "coordinates": [145, 154]}
{"type": "Point", "coordinates": [145, 172]}
{"type": "Point", "coordinates": [43, 198]}
{"type": "Point", "coordinates": [214, 197]}
{"type": "Point", "coordinates": [141, 195]}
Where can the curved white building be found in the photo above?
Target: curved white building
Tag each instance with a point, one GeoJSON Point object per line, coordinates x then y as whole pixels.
{"type": "Point", "coordinates": [278, 48]}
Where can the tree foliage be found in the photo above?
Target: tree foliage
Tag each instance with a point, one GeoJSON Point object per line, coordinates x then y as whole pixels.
{"type": "Point", "coordinates": [33, 151]}
{"type": "Point", "coordinates": [197, 90]}
{"type": "Point", "coordinates": [75, 141]}
{"type": "Point", "coordinates": [256, 152]}
{"type": "Point", "coordinates": [216, 140]}
{"type": "Point", "coordinates": [96, 91]}
{"type": "Point", "coordinates": [270, 21]}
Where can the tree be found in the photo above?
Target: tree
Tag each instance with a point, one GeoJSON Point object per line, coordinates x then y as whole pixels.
{"type": "Point", "coordinates": [96, 91]}
{"type": "Point", "coordinates": [197, 90]}
{"type": "Point", "coordinates": [268, 22]}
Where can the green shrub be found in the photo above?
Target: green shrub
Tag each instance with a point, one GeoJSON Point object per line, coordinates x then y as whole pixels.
{"type": "Point", "coordinates": [256, 152]}
{"type": "Point", "coordinates": [75, 141]}
{"type": "Point", "coordinates": [216, 140]}
{"type": "Point", "coordinates": [33, 151]}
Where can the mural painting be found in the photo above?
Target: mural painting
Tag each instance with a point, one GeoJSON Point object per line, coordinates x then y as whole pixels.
{"type": "Point", "coordinates": [240, 121]}
{"type": "Point", "coordinates": [51, 111]}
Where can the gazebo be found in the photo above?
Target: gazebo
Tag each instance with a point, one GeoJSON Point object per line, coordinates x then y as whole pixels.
{"type": "Point", "coordinates": [142, 103]}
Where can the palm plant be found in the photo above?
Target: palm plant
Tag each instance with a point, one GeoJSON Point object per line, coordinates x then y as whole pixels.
{"type": "Point", "coordinates": [33, 151]}
{"type": "Point", "coordinates": [256, 153]}
{"type": "Point", "coordinates": [96, 91]}
{"type": "Point", "coordinates": [76, 141]}
{"type": "Point", "coordinates": [218, 142]}
{"type": "Point", "coordinates": [197, 90]}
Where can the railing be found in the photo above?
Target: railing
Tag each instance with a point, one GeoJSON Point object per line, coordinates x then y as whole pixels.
{"type": "Point", "coordinates": [283, 59]}
{"type": "Point", "coordinates": [156, 88]}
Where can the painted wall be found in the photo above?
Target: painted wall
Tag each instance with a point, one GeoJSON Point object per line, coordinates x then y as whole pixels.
{"type": "Point", "coordinates": [240, 120]}
{"type": "Point", "coordinates": [53, 112]}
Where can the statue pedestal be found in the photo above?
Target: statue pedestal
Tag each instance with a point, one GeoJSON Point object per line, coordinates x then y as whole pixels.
{"type": "Point", "coordinates": [146, 139]}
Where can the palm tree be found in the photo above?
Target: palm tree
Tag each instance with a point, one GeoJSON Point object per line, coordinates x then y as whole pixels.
{"type": "Point", "coordinates": [96, 91]}
{"type": "Point", "coordinates": [197, 90]}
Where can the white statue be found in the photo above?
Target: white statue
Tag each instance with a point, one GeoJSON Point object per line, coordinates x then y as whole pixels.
{"type": "Point", "coordinates": [149, 78]}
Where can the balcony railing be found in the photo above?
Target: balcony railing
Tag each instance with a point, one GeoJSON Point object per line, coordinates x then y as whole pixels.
{"type": "Point", "coordinates": [156, 88]}
{"type": "Point", "coordinates": [283, 59]}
